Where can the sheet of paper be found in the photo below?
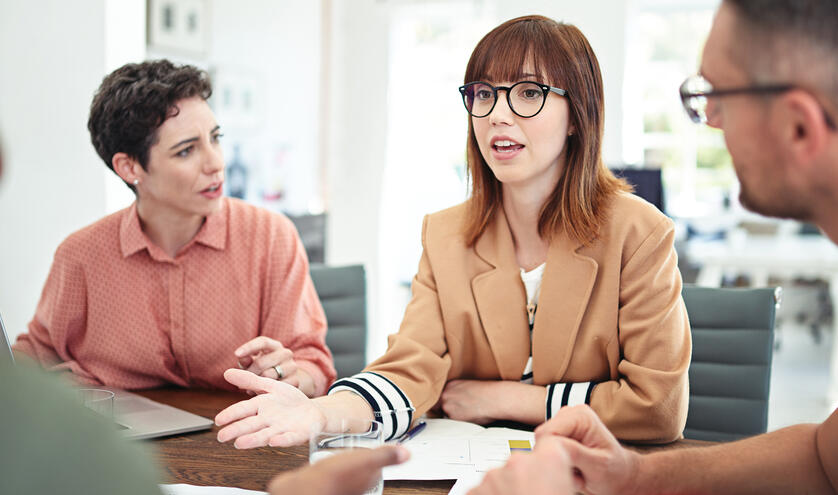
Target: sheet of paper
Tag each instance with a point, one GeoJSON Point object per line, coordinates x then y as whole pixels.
{"type": "Point", "coordinates": [449, 449]}
{"type": "Point", "coordinates": [184, 489]}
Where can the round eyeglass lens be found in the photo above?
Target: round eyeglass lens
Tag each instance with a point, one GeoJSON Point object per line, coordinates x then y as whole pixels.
{"type": "Point", "coordinates": [479, 99]}
{"type": "Point", "coordinates": [526, 98]}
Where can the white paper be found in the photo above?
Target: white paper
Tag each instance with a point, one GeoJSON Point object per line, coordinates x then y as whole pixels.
{"type": "Point", "coordinates": [184, 489]}
{"type": "Point", "coordinates": [447, 449]}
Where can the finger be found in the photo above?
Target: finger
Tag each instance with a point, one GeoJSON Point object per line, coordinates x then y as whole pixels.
{"type": "Point", "coordinates": [291, 378]}
{"type": "Point", "coordinates": [279, 357]}
{"type": "Point", "coordinates": [362, 459]}
{"type": "Point", "coordinates": [578, 422]}
{"type": "Point", "coordinates": [242, 427]}
{"type": "Point", "coordinates": [237, 411]}
{"type": "Point", "coordinates": [287, 439]}
{"type": "Point", "coordinates": [259, 344]}
{"type": "Point", "coordinates": [244, 362]}
{"type": "Point", "coordinates": [580, 456]}
{"type": "Point", "coordinates": [248, 381]}
{"type": "Point", "coordinates": [259, 438]}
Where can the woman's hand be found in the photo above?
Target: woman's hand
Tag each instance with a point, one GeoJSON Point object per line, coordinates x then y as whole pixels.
{"type": "Point", "coordinates": [264, 356]}
{"type": "Point", "coordinates": [470, 400]}
{"type": "Point", "coordinates": [279, 415]}
{"type": "Point", "coordinates": [484, 401]}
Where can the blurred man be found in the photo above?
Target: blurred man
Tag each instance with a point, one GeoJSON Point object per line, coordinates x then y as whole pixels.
{"type": "Point", "coordinates": [769, 80]}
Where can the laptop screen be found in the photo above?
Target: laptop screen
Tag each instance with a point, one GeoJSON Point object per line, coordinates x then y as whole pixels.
{"type": "Point", "coordinates": [6, 356]}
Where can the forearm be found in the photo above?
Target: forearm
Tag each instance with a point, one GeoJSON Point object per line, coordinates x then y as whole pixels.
{"type": "Point", "coordinates": [781, 462]}
{"type": "Point", "coordinates": [519, 402]}
{"type": "Point", "coordinates": [342, 405]}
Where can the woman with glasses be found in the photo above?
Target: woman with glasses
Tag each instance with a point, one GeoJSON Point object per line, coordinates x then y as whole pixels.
{"type": "Point", "coordinates": [550, 286]}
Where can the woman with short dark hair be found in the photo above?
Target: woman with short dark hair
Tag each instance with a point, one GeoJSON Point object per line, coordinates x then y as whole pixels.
{"type": "Point", "coordinates": [184, 283]}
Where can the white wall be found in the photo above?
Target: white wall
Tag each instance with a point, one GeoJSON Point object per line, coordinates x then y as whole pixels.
{"type": "Point", "coordinates": [53, 57]}
{"type": "Point", "coordinates": [357, 148]}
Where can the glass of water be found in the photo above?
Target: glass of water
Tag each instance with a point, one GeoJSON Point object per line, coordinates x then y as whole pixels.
{"type": "Point", "coordinates": [98, 400]}
{"type": "Point", "coordinates": [352, 434]}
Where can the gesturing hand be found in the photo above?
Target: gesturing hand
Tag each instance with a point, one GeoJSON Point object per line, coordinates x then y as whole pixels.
{"type": "Point", "coordinates": [279, 415]}
{"type": "Point", "coordinates": [267, 357]}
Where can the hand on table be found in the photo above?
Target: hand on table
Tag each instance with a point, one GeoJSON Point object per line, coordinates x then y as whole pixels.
{"type": "Point", "coordinates": [279, 416]}
{"type": "Point", "coordinates": [601, 465]}
{"type": "Point", "coordinates": [351, 473]}
{"type": "Point", "coordinates": [545, 471]}
{"type": "Point", "coordinates": [264, 356]}
{"type": "Point", "coordinates": [470, 400]}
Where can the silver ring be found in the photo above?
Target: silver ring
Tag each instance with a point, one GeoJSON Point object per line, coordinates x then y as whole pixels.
{"type": "Point", "coordinates": [279, 372]}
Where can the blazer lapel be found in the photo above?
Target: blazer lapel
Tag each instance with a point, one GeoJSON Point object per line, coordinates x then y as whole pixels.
{"type": "Point", "coordinates": [500, 298]}
{"type": "Point", "coordinates": [565, 290]}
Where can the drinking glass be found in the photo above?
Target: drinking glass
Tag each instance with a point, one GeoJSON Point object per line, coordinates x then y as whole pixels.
{"type": "Point", "coordinates": [351, 434]}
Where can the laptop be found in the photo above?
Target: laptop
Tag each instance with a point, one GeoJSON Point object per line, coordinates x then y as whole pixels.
{"type": "Point", "coordinates": [136, 416]}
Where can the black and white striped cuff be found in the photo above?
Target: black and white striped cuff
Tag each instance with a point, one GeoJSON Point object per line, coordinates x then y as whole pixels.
{"type": "Point", "coordinates": [389, 404]}
{"type": "Point", "coordinates": [567, 394]}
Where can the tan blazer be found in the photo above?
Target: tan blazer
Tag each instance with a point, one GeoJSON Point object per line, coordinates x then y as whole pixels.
{"type": "Point", "coordinates": [611, 312]}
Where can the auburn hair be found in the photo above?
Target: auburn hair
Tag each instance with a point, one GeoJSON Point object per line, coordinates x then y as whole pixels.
{"type": "Point", "coordinates": [562, 54]}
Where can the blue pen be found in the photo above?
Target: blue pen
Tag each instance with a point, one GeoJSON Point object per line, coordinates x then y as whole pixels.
{"type": "Point", "coordinates": [413, 432]}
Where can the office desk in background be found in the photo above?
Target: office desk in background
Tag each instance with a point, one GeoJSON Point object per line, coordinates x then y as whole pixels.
{"type": "Point", "coordinates": [784, 257]}
{"type": "Point", "coordinates": [199, 459]}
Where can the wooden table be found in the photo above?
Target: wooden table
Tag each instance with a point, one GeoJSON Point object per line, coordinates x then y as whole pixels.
{"type": "Point", "coordinates": [199, 459]}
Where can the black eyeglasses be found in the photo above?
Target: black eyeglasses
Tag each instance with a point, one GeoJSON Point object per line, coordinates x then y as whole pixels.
{"type": "Point", "coordinates": [525, 98]}
{"type": "Point", "coordinates": [695, 90]}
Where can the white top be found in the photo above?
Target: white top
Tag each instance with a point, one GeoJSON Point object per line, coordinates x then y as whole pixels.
{"type": "Point", "coordinates": [532, 282]}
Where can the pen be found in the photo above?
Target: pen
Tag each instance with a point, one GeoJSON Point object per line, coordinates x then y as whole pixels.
{"type": "Point", "coordinates": [413, 432]}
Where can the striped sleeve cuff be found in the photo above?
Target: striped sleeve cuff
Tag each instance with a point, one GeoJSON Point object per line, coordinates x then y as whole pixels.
{"type": "Point", "coordinates": [389, 404]}
{"type": "Point", "coordinates": [567, 394]}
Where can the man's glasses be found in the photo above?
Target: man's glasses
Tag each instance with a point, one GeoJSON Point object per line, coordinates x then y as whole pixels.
{"type": "Point", "coordinates": [695, 90]}
{"type": "Point", "coordinates": [525, 98]}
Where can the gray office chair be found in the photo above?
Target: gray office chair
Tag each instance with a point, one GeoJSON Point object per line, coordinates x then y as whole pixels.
{"type": "Point", "coordinates": [733, 336]}
{"type": "Point", "coordinates": [342, 291]}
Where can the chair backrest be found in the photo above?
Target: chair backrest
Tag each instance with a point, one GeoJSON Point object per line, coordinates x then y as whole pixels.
{"type": "Point", "coordinates": [647, 182]}
{"type": "Point", "coordinates": [730, 372]}
{"type": "Point", "coordinates": [342, 291]}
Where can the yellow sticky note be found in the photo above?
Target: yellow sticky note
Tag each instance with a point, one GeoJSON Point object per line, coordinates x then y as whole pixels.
{"type": "Point", "coordinates": [520, 445]}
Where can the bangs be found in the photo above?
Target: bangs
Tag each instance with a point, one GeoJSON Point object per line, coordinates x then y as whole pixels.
{"type": "Point", "coordinates": [510, 52]}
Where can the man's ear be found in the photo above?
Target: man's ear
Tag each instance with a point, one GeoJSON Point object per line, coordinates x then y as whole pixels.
{"type": "Point", "coordinates": [805, 131]}
{"type": "Point", "coordinates": [127, 167]}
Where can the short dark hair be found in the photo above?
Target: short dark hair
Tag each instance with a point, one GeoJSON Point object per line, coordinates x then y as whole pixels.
{"type": "Point", "coordinates": [134, 100]}
{"type": "Point", "coordinates": [795, 38]}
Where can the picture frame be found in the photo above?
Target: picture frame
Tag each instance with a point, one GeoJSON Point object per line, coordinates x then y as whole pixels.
{"type": "Point", "coordinates": [178, 26]}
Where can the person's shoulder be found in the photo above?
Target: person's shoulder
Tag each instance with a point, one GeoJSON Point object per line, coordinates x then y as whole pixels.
{"type": "Point", "coordinates": [448, 221]}
{"type": "Point", "coordinates": [91, 240]}
{"type": "Point", "coordinates": [629, 211]}
{"type": "Point", "coordinates": [256, 219]}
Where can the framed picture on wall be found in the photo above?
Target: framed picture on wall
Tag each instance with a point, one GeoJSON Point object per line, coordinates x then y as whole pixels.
{"type": "Point", "coordinates": [178, 25]}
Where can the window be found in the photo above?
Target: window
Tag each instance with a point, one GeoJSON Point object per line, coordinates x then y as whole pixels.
{"type": "Point", "coordinates": [664, 46]}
